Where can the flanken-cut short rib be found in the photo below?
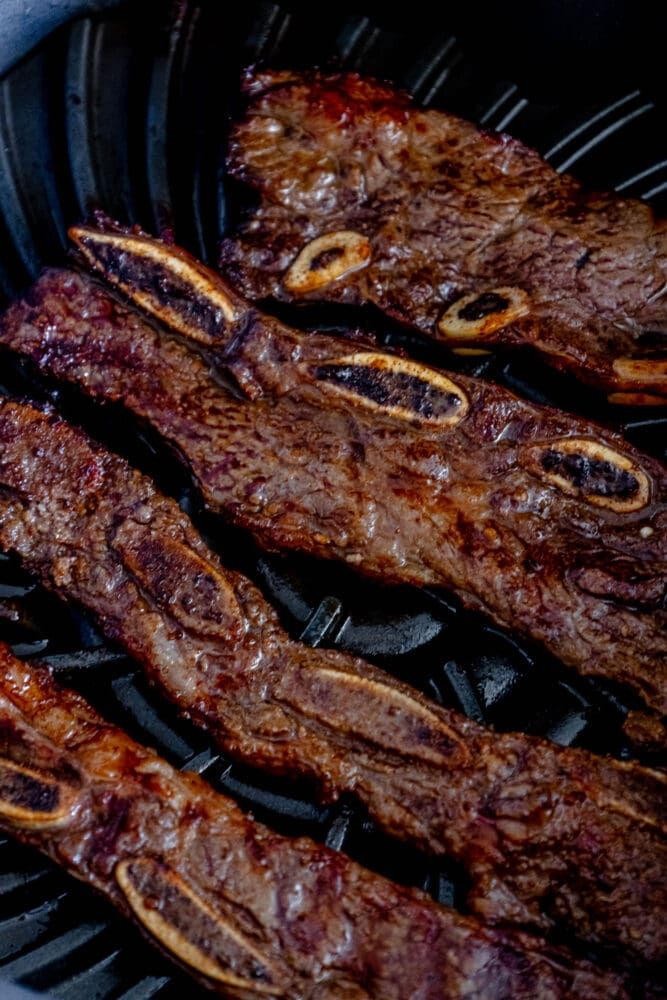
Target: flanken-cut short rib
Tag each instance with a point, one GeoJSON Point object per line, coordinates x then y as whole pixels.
{"type": "Point", "coordinates": [465, 235]}
{"type": "Point", "coordinates": [553, 839]}
{"type": "Point", "coordinates": [248, 913]}
{"type": "Point", "coordinates": [546, 523]}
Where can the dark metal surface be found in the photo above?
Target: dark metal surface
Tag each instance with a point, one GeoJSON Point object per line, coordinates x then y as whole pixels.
{"type": "Point", "coordinates": [129, 111]}
{"type": "Point", "coordinates": [24, 23]}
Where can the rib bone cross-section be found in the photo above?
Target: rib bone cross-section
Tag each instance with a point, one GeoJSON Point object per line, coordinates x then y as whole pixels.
{"type": "Point", "coordinates": [248, 913]}
{"type": "Point", "coordinates": [553, 839]}
{"type": "Point", "coordinates": [544, 522]}
{"type": "Point", "coordinates": [465, 235]}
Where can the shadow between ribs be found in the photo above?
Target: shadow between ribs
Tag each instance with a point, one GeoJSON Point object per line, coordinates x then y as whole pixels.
{"type": "Point", "coordinates": [249, 913]}
{"type": "Point", "coordinates": [552, 839]}
{"type": "Point", "coordinates": [546, 523]}
{"type": "Point", "coordinates": [463, 234]}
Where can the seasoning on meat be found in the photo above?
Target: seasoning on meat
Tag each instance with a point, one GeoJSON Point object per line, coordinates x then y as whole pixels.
{"type": "Point", "coordinates": [471, 236]}
{"type": "Point", "coordinates": [554, 839]}
{"type": "Point", "coordinates": [248, 913]}
{"type": "Point", "coordinates": [356, 455]}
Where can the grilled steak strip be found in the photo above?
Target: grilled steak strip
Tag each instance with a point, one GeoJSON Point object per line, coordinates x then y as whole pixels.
{"type": "Point", "coordinates": [465, 235]}
{"type": "Point", "coordinates": [249, 913]}
{"type": "Point", "coordinates": [551, 838]}
{"type": "Point", "coordinates": [544, 522]}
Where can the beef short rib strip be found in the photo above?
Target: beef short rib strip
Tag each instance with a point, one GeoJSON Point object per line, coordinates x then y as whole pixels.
{"type": "Point", "coordinates": [544, 522]}
{"type": "Point", "coordinates": [465, 235]}
{"type": "Point", "coordinates": [249, 913]}
{"type": "Point", "coordinates": [551, 838]}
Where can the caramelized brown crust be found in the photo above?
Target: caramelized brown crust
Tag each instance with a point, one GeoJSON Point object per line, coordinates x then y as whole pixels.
{"type": "Point", "coordinates": [544, 522]}
{"type": "Point", "coordinates": [471, 237]}
{"type": "Point", "coordinates": [248, 913]}
{"type": "Point", "coordinates": [553, 839]}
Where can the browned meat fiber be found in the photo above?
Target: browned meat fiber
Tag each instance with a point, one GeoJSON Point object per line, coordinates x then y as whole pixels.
{"type": "Point", "coordinates": [465, 235]}
{"type": "Point", "coordinates": [553, 839]}
{"type": "Point", "coordinates": [544, 522]}
{"type": "Point", "coordinates": [249, 913]}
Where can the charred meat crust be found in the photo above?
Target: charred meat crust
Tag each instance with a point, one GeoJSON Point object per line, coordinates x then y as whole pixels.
{"type": "Point", "coordinates": [249, 913]}
{"type": "Point", "coordinates": [404, 473]}
{"type": "Point", "coordinates": [552, 839]}
{"type": "Point", "coordinates": [470, 235]}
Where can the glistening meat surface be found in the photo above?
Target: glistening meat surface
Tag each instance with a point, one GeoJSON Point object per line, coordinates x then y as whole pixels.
{"type": "Point", "coordinates": [249, 913]}
{"type": "Point", "coordinates": [468, 236]}
{"type": "Point", "coordinates": [552, 839]}
{"type": "Point", "coordinates": [546, 523]}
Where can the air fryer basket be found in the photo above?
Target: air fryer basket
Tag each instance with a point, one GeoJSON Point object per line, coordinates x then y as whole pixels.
{"type": "Point", "coordinates": [128, 111]}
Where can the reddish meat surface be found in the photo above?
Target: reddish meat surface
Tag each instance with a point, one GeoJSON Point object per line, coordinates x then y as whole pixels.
{"type": "Point", "coordinates": [470, 236]}
{"type": "Point", "coordinates": [552, 839]}
{"type": "Point", "coordinates": [544, 522]}
{"type": "Point", "coordinates": [249, 913]}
